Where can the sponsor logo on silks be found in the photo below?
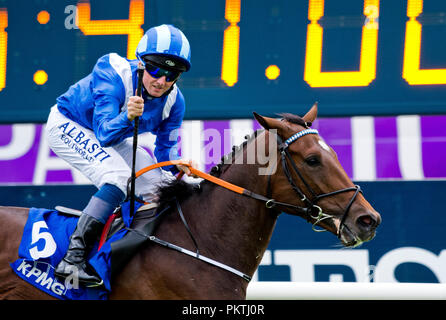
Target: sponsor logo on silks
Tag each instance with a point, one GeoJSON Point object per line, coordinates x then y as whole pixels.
{"type": "Point", "coordinates": [33, 271]}
{"type": "Point", "coordinates": [75, 139]}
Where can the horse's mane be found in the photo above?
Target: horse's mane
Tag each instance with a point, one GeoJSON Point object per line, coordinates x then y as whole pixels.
{"type": "Point", "coordinates": [182, 190]}
{"type": "Point", "coordinates": [176, 189]}
{"type": "Point", "coordinates": [227, 160]}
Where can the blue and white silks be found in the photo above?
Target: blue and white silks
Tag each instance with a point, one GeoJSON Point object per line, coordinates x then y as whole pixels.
{"type": "Point", "coordinates": [99, 102]}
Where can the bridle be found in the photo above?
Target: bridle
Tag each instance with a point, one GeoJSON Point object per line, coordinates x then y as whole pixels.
{"type": "Point", "coordinates": [310, 210]}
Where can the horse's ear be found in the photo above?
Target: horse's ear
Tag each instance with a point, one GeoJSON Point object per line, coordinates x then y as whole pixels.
{"type": "Point", "coordinates": [269, 123]}
{"type": "Point", "coordinates": [311, 115]}
{"type": "Point", "coordinates": [262, 120]}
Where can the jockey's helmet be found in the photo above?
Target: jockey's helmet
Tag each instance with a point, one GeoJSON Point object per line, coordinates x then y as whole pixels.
{"type": "Point", "coordinates": [165, 46]}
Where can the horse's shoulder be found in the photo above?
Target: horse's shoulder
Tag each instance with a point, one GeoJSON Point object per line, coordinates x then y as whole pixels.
{"type": "Point", "coordinates": [12, 222]}
{"type": "Point", "coordinates": [14, 210]}
{"type": "Point", "coordinates": [14, 214]}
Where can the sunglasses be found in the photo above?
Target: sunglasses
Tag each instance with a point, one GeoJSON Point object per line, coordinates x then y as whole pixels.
{"type": "Point", "coordinates": [158, 72]}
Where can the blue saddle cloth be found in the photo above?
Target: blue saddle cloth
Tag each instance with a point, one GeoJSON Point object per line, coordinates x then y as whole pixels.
{"type": "Point", "coordinates": [44, 243]}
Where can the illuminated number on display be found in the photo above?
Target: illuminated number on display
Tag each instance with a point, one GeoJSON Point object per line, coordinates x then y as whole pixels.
{"type": "Point", "coordinates": [3, 46]}
{"type": "Point", "coordinates": [411, 67]}
{"type": "Point", "coordinates": [131, 27]}
{"type": "Point", "coordinates": [313, 56]}
{"type": "Point", "coordinates": [231, 43]}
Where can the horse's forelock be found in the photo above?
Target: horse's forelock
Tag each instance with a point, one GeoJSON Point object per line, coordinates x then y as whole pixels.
{"type": "Point", "coordinates": [292, 118]}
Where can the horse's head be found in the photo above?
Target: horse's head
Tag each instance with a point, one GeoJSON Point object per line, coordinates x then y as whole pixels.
{"type": "Point", "coordinates": [310, 181]}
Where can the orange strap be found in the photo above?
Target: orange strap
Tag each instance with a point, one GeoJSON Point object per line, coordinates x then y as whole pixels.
{"type": "Point", "coordinates": [194, 171]}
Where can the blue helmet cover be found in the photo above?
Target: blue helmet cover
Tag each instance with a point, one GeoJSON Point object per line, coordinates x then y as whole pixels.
{"type": "Point", "coordinates": [165, 40]}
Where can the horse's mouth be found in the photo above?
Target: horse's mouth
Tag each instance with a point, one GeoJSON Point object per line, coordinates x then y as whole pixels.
{"type": "Point", "coordinates": [352, 239]}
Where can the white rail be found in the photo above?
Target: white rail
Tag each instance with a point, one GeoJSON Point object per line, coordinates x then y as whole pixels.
{"type": "Point", "coordinates": [265, 290]}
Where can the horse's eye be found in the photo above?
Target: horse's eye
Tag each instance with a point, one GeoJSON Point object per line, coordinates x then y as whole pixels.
{"type": "Point", "coordinates": [312, 161]}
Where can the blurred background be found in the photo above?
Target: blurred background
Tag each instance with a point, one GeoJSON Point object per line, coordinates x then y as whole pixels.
{"type": "Point", "coordinates": [376, 68]}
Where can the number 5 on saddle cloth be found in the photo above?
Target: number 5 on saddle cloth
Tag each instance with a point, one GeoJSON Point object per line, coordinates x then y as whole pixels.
{"type": "Point", "coordinates": [45, 240]}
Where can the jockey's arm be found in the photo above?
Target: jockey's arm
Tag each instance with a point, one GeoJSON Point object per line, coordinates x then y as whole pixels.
{"type": "Point", "coordinates": [166, 140]}
{"type": "Point", "coordinates": [110, 123]}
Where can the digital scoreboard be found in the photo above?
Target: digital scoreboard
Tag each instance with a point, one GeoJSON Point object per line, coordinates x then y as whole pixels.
{"type": "Point", "coordinates": [356, 57]}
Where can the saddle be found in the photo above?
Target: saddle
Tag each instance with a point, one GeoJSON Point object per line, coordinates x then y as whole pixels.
{"type": "Point", "coordinates": [147, 218]}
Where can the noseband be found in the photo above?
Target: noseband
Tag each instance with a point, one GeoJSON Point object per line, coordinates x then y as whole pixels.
{"type": "Point", "coordinates": [310, 211]}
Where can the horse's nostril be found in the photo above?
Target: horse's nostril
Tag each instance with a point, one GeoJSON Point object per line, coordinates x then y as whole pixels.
{"type": "Point", "coordinates": [366, 221]}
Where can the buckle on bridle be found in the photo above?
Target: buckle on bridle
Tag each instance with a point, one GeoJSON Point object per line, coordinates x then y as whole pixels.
{"type": "Point", "coordinates": [283, 146]}
{"type": "Point", "coordinates": [319, 213]}
{"type": "Point", "coordinates": [320, 217]}
{"type": "Point", "coordinates": [270, 203]}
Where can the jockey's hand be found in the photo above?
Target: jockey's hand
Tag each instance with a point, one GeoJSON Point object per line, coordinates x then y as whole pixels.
{"type": "Point", "coordinates": [186, 169]}
{"type": "Point", "coordinates": [135, 107]}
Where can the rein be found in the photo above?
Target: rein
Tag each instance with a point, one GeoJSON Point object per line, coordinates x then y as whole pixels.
{"type": "Point", "coordinates": [310, 211]}
{"type": "Point", "coordinates": [169, 245]}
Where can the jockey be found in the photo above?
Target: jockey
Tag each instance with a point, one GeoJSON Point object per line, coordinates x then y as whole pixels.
{"type": "Point", "coordinates": [90, 125]}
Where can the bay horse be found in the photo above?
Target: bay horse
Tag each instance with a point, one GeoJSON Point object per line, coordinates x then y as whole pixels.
{"type": "Point", "coordinates": [233, 229]}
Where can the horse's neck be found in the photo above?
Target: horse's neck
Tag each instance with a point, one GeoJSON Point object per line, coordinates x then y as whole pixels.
{"type": "Point", "coordinates": [235, 229]}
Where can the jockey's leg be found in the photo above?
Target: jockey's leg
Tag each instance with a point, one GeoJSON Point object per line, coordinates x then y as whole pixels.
{"type": "Point", "coordinates": [88, 228]}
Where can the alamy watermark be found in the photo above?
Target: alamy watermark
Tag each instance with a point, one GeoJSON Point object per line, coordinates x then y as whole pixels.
{"type": "Point", "coordinates": [260, 149]}
{"type": "Point", "coordinates": [71, 20]}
